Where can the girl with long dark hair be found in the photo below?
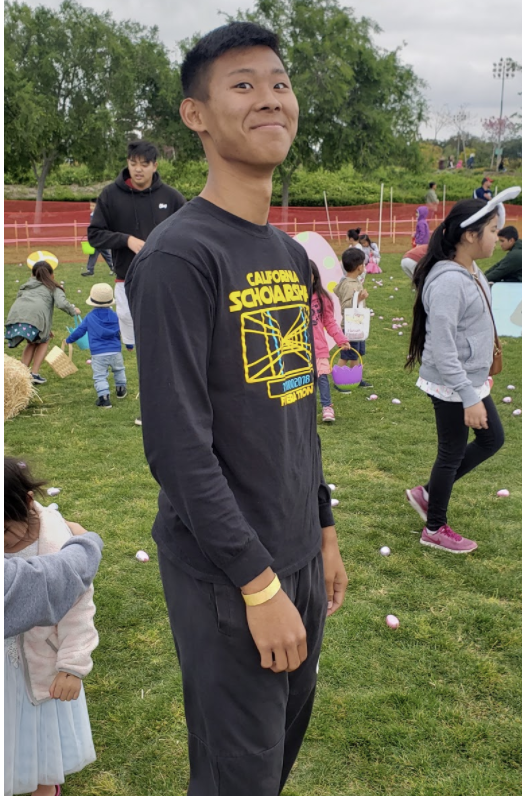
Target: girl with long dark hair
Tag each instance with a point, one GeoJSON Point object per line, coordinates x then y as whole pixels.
{"type": "Point", "coordinates": [31, 316]}
{"type": "Point", "coordinates": [453, 338]}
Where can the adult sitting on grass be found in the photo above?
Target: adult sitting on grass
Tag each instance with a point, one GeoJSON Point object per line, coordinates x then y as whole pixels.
{"type": "Point", "coordinates": [509, 269]}
{"type": "Point", "coordinates": [453, 338]}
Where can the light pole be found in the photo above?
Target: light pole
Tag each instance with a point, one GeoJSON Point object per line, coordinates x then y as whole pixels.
{"type": "Point", "coordinates": [502, 70]}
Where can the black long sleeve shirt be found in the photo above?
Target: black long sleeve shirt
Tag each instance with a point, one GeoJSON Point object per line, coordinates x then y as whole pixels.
{"type": "Point", "coordinates": [221, 310]}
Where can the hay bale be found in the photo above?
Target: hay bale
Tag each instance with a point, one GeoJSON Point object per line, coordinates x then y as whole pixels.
{"type": "Point", "coordinates": [18, 387]}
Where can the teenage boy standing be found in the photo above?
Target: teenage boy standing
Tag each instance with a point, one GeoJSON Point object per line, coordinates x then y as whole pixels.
{"type": "Point", "coordinates": [126, 212]}
{"type": "Point", "coordinates": [247, 547]}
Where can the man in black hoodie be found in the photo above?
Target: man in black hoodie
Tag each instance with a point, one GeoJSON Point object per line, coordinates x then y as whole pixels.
{"type": "Point", "coordinates": [126, 212]}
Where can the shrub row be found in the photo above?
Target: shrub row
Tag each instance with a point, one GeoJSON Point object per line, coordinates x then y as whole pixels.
{"type": "Point", "coordinates": [343, 187]}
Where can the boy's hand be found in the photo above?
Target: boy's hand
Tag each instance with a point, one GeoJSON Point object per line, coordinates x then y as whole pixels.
{"type": "Point", "coordinates": [345, 347]}
{"type": "Point", "coordinates": [135, 244]}
{"type": "Point", "coordinates": [65, 687]}
{"type": "Point", "coordinates": [363, 295]}
{"type": "Point", "coordinates": [335, 577]}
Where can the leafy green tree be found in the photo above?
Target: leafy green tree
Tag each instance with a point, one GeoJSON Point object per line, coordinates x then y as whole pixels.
{"type": "Point", "coordinates": [78, 85]}
{"type": "Point", "coordinates": [358, 103]}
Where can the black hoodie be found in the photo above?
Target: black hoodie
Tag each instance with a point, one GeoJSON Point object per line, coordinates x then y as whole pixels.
{"type": "Point", "coordinates": [121, 212]}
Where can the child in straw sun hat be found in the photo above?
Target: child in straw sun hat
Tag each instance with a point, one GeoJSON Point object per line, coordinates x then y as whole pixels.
{"type": "Point", "coordinates": [105, 344]}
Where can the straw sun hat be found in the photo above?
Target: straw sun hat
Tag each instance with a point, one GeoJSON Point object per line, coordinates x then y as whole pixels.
{"type": "Point", "coordinates": [101, 295]}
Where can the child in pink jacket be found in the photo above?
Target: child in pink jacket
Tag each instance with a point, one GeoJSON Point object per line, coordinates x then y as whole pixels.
{"type": "Point", "coordinates": [48, 734]}
{"type": "Point", "coordinates": [323, 318]}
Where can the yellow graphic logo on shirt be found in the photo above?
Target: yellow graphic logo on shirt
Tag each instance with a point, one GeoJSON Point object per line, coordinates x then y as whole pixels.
{"type": "Point", "coordinates": [276, 340]}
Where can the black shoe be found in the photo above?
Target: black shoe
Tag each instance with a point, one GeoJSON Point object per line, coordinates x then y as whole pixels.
{"type": "Point", "coordinates": [104, 401]}
{"type": "Point", "coordinates": [87, 273]}
{"type": "Point", "coordinates": [121, 392]}
{"type": "Point", "coordinates": [365, 383]}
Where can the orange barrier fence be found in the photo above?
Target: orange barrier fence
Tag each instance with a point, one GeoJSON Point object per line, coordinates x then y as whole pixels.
{"type": "Point", "coordinates": [67, 222]}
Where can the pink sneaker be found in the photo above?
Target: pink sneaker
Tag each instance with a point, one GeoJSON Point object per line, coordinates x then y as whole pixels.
{"type": "Point", "coordinates": [417, 499]}
{"type": "Point", "coordinates": [328, 414]}
{"type": "Point", "coordinates": [446, 539]}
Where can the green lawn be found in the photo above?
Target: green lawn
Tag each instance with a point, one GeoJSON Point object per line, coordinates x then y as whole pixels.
{"type": "Point", "coordinates": [433, 709]}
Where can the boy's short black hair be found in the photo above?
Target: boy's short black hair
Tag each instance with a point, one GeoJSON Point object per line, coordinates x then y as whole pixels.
{"type": "Point", "coordinates": [509, 233]}
{"type": "Point", "coordinates": [352, 259]}
{"type": "Point", "coordinates": [142, 149]}
{"type": "Point", "coordinates": [234, 36]}
{"type": "Point", "coordinates": [432, 184]}
{"type": "Point", "coordinates": [486, 179]}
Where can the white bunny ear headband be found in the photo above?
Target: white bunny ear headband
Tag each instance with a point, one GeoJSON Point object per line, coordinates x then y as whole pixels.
{"type": "Point", "coordinates": [496, 202]}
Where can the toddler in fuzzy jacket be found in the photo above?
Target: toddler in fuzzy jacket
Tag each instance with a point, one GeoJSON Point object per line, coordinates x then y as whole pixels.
{"type": "Point", "coordinates": [49, 734]}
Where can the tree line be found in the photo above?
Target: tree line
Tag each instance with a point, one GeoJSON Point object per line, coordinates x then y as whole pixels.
{"type": "Point", "coordinates": [79, 85]}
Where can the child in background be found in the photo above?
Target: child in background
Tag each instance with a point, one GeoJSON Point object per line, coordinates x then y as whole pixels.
{"type": "Point", "coordinates": [372, 256]}
{"type": "Point", "coordinates": [452, 338]}
{"type": "Point", "coordinates": [350, 284]}
{"type": "Point", "coordinates": [47, 734]}
{"type": "Point", "coordinates": [104, 341]}
{"type": "Point", "coordinates": [422, 230]}
{"type": "Point", "coordinates": [353, 238]}
{"type": "Point", "coordinates": [31, 316]}
{"type": "Point", "coordinates": [323, 317]}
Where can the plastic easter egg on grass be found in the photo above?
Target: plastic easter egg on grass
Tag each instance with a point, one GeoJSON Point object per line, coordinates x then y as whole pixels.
{"type": "Point", "coordinates": [322, 254]}
{"type": "Point", "coordinates": [334, 502]}
{"type": "Point", "coordinates": [503, 493]}
{"type": "Point", "coordinates": [142, 556]}
{"type": "Point", "coordinates": [517, 412]}
{"type": "Point", "coordinates": [385, 551]}
{"type": "Point", "coordinates": [392, 621]}
{"type": "Point", "coordinates": [507, 400]}
{"type": "Point", "coordinates": [372, 397]}
{"type": "Point", "coordinates": [88, 361]}
{"type": "Point", "coordinates": [395, 401]}
{"type": "Point", "coordinates": [511, 387]}
{"type": "Point", "coordinates": [399, 333]}
{"type": "Point", "coordinates": [53, 490]}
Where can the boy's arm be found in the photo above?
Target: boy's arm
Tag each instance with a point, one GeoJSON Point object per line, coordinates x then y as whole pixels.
{"type": "Point", "coordinates": [80, 330]}
{"type": "Point", "coordinates": [48, 586]}
{"type": "Point", "coordinates": [510, 264]}
{"type": "Point", "coordinates": [173, 306]}
{"type": "Point", "coordinates": [99, 233]}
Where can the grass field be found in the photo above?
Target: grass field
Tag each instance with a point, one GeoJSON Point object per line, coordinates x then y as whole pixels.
{"type": "Point", "coordinates": [432, 709]}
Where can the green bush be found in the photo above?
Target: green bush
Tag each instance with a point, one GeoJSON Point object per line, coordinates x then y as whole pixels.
{"type": "Point", "coordinates": [343, 187]}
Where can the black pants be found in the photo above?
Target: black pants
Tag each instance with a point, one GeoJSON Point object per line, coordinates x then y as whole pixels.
{"type": "Point", "coordinates": [455, 456]}
{"type": "Point", "coordinates": [245, 724]}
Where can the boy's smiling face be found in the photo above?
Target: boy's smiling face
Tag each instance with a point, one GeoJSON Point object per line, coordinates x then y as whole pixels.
{"type": "Point", "coordinates": [250, 114]}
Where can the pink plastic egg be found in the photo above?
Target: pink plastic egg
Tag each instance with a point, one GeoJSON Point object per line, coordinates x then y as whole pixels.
{"type": "Point", "coordinates": [503, 493]}
{"type": "Point", "coordinates": [142, 556]}
{"type": "Point", "coordinates": [517, 412]}
{"type": "Point", "coordinates": [392, 621]}
{"type": "Point", "coordinates": [507, 400]}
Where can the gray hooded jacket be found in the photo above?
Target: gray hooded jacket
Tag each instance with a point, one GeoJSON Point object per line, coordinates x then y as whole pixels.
{"type": "Point", "coordinates": [458, 350]}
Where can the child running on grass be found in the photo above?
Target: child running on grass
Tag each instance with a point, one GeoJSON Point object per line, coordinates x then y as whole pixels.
{"type": "Point", "coordinates": [105, 343]}
{"type": "Point", "coordinates": [48, 734]}
{"type": "Point", "coordinates": [453, 339]}
{"type": "Point", "coordinates": [353, 267]}
{"type": "Point", "coordinates": [31, 316]}
{"type": "Point", "coordinates": [323, 317]}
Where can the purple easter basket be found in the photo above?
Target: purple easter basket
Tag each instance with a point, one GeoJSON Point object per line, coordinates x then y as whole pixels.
{"type": "Point", "coordinates": [344, 377]}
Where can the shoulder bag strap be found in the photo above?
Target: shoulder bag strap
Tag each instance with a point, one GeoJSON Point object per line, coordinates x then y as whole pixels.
{"type": "Point", "coordinates": [481, 286]}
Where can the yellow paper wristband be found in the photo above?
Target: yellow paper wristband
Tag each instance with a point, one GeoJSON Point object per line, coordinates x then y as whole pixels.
{"type": "Point", "coordinates": [261, 597]}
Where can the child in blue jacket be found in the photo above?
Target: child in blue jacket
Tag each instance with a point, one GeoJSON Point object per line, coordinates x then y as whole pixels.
{"type": "Point", "coordinates": [105, 344]}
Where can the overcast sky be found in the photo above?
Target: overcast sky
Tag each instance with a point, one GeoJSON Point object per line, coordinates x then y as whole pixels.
{"type": "Point", "coordinates": [451, 44]}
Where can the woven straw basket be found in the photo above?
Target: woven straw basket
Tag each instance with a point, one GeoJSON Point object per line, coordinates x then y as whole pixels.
{"type": "Point", "coordinates": [60, 362]}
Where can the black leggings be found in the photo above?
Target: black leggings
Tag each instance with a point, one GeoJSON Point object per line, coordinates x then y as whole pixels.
{"type": "Point", "coordinates": [455, 457]}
